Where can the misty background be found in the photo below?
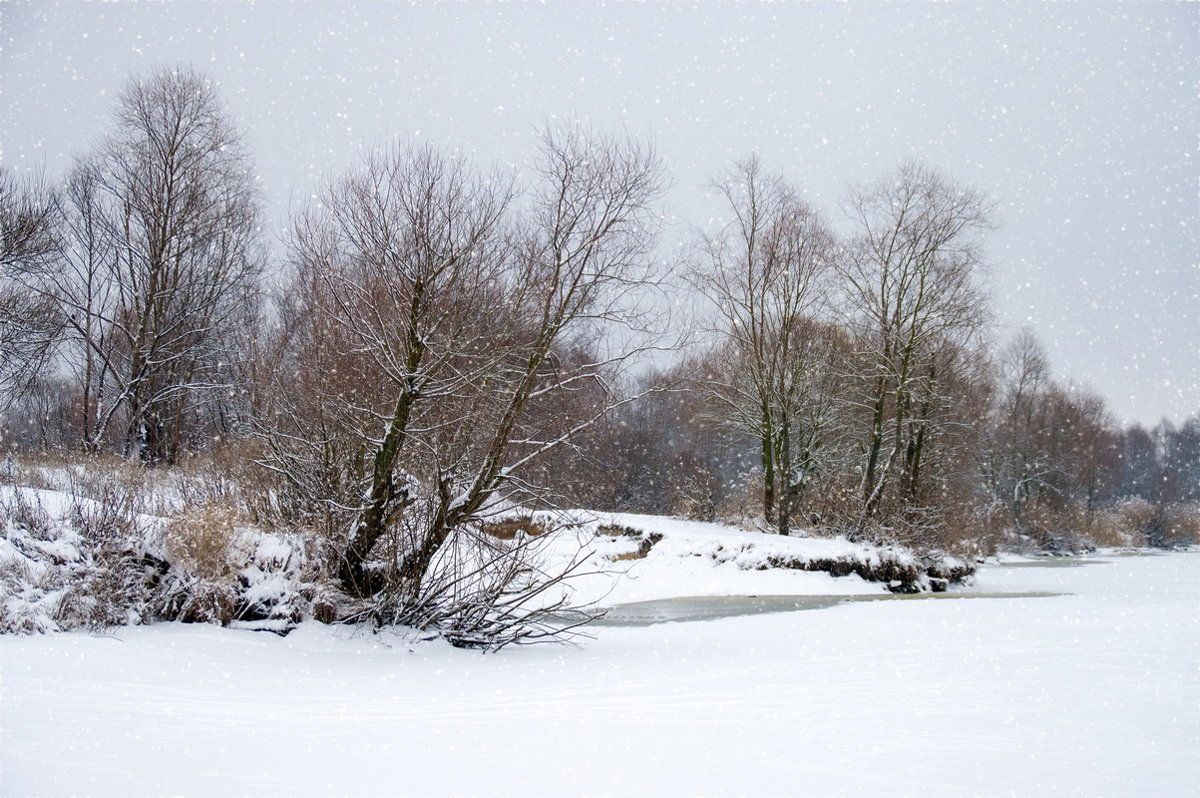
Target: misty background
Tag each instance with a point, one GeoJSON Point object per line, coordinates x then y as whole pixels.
{"type": "Point", "coordinates": [1079, 121]}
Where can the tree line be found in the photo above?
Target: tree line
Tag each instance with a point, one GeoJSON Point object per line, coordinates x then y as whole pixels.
{"type": "Point", "coordinates": [447, 342]}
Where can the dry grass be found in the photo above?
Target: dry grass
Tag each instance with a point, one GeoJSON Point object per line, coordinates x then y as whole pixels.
{"type": "Point", "coordinates": [229, 473]}
{"type": "Point", "coordinates": [618, 531]}
{"type": "Point", "coordinates": [27, 513]}
{"type": "Point", "coordinates": [1123, 526]}
{"type": "Point", "coordinates": [85, 569]}
{"type": "Point", "coordinates": [199, 543]}
{"type": "Point", "coordinates": [507, 528]}
{"type": "Point", "coordinates": [646, 542]}
{"type": "Point", "coordinates": [1136, 523]}
{"type": "Point", "coordinates": [201, 540]}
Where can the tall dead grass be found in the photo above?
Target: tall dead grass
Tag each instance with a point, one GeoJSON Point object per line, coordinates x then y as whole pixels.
{"type": "Point", "coordinates": [199, 544]}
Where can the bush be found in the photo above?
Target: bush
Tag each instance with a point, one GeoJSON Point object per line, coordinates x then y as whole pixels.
{"type": "Point", "coordinates": [82, 553]}
{"type": "Point", "coordinates": [1175, 526]}
{"type": "Point", "coordinates": [223, 570]}
{"type": "Point", "coordinates": [113, 588]}
{"type": "Point", "coordinates": [85, 568]}
{"type": "Point", "coordinates": [1136, 522]}
{"type": "Point", "coordinates": [483, 591]}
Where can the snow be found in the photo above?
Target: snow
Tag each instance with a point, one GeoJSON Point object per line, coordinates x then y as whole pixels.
{"type": "Point", "coordinates": [1092, 693]}
{"type": "Point", "coordinates": [695, 558]}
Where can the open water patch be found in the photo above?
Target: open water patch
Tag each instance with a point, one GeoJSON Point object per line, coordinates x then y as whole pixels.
{"type": "Point", "coordinates": [1053, 562]}
{"type": "Point", "coordinates": [684, 609]}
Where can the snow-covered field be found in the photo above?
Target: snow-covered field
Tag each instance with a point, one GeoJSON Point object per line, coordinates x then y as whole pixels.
{"type": "Point", "coordinates": [1093, 693]}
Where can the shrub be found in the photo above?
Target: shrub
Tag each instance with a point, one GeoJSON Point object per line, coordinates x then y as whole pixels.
{"type": "Point", "coordinates": [223, 570]}
{"type": "Point", "coordinates": [85, 568]}
{"type": "Point", "coordinates": [1175, 526]}
{"type": "Point", "coordinates": [113, 586]}
{"type": "Point", "coordinates": [1122, 526]}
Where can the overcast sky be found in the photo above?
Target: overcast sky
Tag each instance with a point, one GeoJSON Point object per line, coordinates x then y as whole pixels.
{"type": "Point", "coordinates": [1079, 120]}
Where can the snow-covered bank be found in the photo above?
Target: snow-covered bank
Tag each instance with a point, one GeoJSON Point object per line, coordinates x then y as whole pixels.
{"type": "Point", "coordinates": [650, 557]}
{"type": "Point", "coordinates": [1093, 693]}
{"type": "Point", "coordinates": [69, 562]}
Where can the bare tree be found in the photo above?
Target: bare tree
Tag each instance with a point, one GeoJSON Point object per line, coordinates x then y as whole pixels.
{"type": "Point", "coordinates": [765, 273]}
{"type": "Point", "coordinates": [162, 219]}
{"type": "Point", "coordinates": [1016, 467]}
{"type": "Point", "coordinates": [1050, 456]}
{"type": "Point", "coordinates": [440, 313]}
{"type": "Point", "coordinates": [30, 247]}
{"type": "Point", "coordinates": [401, 271]}
{"type": "Point", "coordinates": [912, 297]}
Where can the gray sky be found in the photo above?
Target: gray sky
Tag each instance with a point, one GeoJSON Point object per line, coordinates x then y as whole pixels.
{"type": "Point", "coordinates": [1080, 120]}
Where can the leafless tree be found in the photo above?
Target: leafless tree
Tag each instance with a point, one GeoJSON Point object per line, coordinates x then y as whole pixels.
{"type": "Point", "coordinates": [30, 247]}
{"type": "Point", "coordinates": [1016, 466]}
{"type": "Point", "coordinates": [1050, 454]}
{"type": "Point", "coordinates": [765, 273]}
{"type": "Point", "coordinates": [440, 315]}
{"type": "Point", "coordinates": [913, 298]}
{"type": "Point", "coordinates": [162, 219]}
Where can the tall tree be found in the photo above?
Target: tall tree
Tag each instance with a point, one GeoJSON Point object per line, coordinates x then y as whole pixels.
{"type": "Point", "coordinates": [1183, 461]}
{"type": "Point", "coordinates": [911, 283]}
{"type": "Point", "coordinates": [1016, 461]}
{"type": "Point", "coordinates": [30, 247]}
{"type": "Point", "coordinates": [162, 221]}
{"type": "Point", "coordinates": [765, 274]}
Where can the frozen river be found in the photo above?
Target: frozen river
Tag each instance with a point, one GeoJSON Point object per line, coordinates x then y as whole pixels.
{"type": "Point", "coordinates": [1094, 692]}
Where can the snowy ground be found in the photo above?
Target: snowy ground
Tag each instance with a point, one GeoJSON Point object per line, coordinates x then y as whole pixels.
{"type": "Point", "coordinates": [1095, 693]}
{"type": "Point", "coordinates": [695, 558]}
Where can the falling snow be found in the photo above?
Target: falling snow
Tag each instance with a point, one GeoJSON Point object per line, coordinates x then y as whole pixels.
{"type": "Point", "coordinates": [1078, 121]}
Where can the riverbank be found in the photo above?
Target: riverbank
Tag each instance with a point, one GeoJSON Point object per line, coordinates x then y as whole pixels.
{"type": "Point", "coordinates": [645, 557]}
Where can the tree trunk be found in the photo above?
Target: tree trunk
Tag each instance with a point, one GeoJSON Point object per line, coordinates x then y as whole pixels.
{"type": "Point", "coordinates": [874, 445]}
{"type": "Point", "coordinates": [768, 465]}
{"type": "Point", "coordinates": [383, 500]}
{"type": "Point", "coordinates": [785, 477]}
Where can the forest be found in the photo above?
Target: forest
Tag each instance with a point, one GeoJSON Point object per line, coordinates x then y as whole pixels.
{"type": "Point", "coordinates": [374, 418]}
